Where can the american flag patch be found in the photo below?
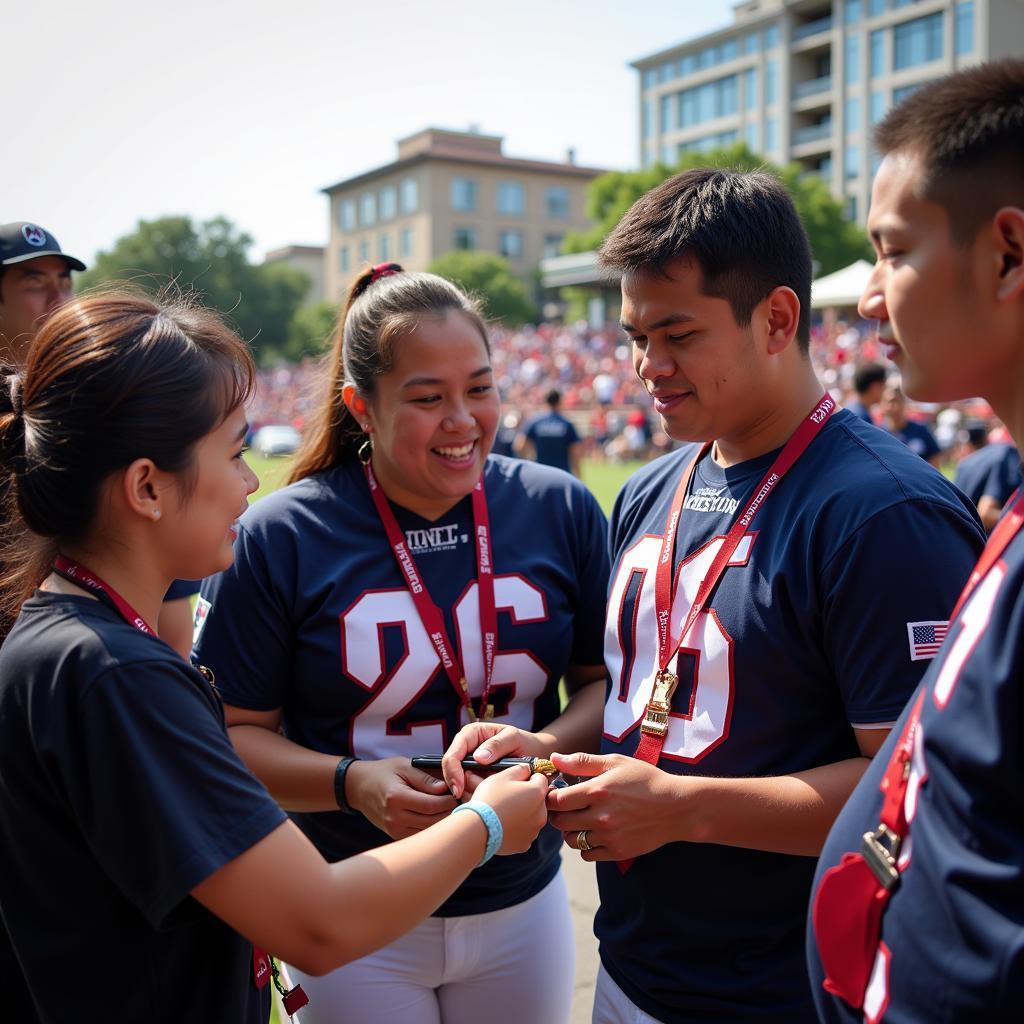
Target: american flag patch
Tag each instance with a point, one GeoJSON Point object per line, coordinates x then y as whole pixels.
{"type": "Point", "coordinates": [926, 639]}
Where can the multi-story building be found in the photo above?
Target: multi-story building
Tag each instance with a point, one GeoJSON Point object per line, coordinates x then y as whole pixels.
{"type": "Point", "coordinates": [307, 258]}
{"type": "Point", "coordinates": [452, 190]}
{"type": "Point", "coordinates": [805, 80]}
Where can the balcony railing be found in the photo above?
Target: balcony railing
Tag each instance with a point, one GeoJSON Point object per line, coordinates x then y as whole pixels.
{"type": "Point", "coordinates": [813, 133]}
{"type": "Point", "coordinates": [812, 88]}
{"type": "Point", "coordinates": [812, 28]}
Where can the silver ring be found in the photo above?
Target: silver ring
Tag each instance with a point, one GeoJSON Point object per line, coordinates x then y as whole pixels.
{"type": "Point", "coordinates": [581, 840]}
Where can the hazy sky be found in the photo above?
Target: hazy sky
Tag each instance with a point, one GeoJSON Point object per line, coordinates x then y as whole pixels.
{"type": "Point", "coordinates": [115, 111]}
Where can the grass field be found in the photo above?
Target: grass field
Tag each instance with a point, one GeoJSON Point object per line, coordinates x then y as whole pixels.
{"type": "Point", "coordinates": [603, 478]}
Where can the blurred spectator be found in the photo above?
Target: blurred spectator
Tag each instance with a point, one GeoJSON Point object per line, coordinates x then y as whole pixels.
{"type": "Point", "coordinates": [551, 438]}
{"type": "Point", "coordinates": [868, 383]}
{"type": "Point", "coordinates": [917, 437]}
{"type": "Point", "coordinates": [505, 438]}
{"type": "Point", "coordinates": [987, 473]}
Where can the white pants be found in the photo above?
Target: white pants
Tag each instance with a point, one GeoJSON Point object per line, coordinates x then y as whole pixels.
{"type": "Point", "coordinates": [506, 967]}
{"type": "Point", "coordinates": [613, 1006]}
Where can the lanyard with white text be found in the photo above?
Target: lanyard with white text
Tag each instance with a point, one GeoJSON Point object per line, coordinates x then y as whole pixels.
{"type": "Point", "coordinates": [82, 577]}
{"type": "Point", "coordinates": [430, 614]}
{"type": "Point", "coordinates": [655, 722]}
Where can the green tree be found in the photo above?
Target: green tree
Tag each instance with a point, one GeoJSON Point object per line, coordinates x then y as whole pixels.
{"type": "Point", "coordinates": [212, 259]}
{"type": "Point", "coordinates": [310, 330]}
{"type": "Point", "coordinates": [490, 278]}
{"type": "Point", "coordinates": [835, 242]}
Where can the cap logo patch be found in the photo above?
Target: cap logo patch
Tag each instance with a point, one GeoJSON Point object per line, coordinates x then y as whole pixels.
{"type": "Point", "coordinates": [34, 235]}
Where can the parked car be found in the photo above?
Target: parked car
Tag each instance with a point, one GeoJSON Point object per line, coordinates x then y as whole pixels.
{"type": "Point", "coordinates": [275, 439]}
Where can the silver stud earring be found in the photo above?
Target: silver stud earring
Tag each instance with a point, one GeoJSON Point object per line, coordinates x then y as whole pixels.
{"type": "Point", "coordinates": [156, 513]}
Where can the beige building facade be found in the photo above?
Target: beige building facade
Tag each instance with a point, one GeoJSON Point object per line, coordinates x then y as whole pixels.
{"type": "Point", "coordinates": [806, 80]}
{"type": "Point", "coordinates": [307, 258]}
{"type": "Point", "coordinates": [452, 190]}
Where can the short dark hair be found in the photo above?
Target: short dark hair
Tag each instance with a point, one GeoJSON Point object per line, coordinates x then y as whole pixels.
{"type": "Point", "coordinates": [867, 375]}
{"type": "Point", "coordinates": [741, 228]}
{"type": "Point", "coordinates": [553, 397]}
{"type": "Point", "coordinates": [966, 128]}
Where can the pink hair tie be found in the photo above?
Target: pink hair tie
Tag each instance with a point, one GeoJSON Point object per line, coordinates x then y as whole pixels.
{"type": "Point", "coordinates": [384, 270]}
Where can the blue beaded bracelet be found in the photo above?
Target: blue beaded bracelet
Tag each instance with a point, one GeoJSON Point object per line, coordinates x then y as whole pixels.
{"type": "Point", "coordinates": [495, 833]}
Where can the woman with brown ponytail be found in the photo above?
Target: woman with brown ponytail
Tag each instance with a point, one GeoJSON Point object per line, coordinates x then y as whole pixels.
{"type": "Point", "coordinates": [404, 584]}
{"type": "Point", "coordinates": [130, 832]}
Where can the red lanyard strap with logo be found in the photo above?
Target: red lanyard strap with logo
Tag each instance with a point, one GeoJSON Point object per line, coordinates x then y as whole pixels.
{"type": "Point", "coordinates": [655, 722]}
{"type": "Point", "coordinates": [82, 577]}
{"type": "Point", "coordinates": [430, 614]}
{"type": "Point", "coordinates": [852, 897]}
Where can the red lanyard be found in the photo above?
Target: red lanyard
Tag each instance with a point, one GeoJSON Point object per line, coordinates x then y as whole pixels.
{"type": "Point", "coordinates": [81, 576]}
{"type": "Point", "coordinates": [655, 723]}
{"type": "Point", "coordinates": [430, 614]}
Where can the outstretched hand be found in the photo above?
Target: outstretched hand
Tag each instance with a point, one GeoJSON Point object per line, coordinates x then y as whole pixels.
{"type": "Point", "coordinates": [486, 742]}
{"type": "Point", "coordinates": [627, 807]}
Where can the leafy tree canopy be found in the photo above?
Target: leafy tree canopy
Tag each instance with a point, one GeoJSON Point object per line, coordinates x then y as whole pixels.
{"type": "Point", "coordinates": [311, 330]}
{"type": "Point", "coordinates": [835, 242]}
{"type": "Point", "coordinates": [211, 258]}
{"type": "Point", "coordinates": [490, 278]}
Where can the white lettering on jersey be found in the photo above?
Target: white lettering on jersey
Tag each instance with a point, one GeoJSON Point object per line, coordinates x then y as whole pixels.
{"type": "Point", "coordinates": [394, 696]}
{"type": "Point", "coordinates": [698, 730]}
{"type": "Point", "coordinates": [434, 538]}
{"type": "Point", "coordinates": [710, 499]}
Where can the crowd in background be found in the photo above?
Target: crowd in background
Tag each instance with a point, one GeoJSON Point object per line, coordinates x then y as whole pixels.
{"type": "Point", "coordinates": [594, 373]}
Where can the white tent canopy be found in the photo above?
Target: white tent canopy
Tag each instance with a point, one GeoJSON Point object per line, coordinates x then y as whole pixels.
{"type": "Point", "coordinates": [842, 287]}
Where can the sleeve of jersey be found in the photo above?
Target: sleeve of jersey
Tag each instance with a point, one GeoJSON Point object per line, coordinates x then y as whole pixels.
{"type": "Point", "coordinates": [162, 796]}
{"type": "Point", "coordinates": [888, 594]}
{"type": "Point", "coordinates": [243, 629]}
{"type": "Point", "coordinates": [1002, 480]}
{"type": "Point", "coordinates": [592, 571]}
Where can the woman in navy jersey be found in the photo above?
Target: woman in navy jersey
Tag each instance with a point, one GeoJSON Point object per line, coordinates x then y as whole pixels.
{"type": "Point", "coordinates": [404, 584]}
{"type": "Point", "coordinates": [130, 831]}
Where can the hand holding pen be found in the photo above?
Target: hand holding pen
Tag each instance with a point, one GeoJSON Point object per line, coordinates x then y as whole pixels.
{"type": "Point", "coordinates": [479, 745]}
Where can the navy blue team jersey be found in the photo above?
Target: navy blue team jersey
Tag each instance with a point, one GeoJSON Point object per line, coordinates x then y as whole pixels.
{"type": "Point", "coordinates": [120, 793]}
{"type": "Point", "coordinates": [810, 633]}
{"type": "Point", "coordinates": [552, 436]}
{"type": "Point", "coordinates": [990, 472]}
{"type": "Point", "coordinates": [953, 931]}
{"type": "Point", "coordinates": [314, 617]}
{"type": "Point", "coordinates": [918, 438]}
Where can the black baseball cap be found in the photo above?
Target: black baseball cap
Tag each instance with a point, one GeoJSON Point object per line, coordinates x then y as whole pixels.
{"type": "Point", "coordinates": [21, 240]}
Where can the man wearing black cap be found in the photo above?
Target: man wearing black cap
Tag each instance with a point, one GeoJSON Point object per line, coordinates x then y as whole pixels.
{"type": "Point", "coordinates": [35, 278]}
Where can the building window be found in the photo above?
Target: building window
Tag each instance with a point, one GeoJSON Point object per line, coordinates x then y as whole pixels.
{"type": "Point", "coordinates": [510, 244]}
{"type": "Point", "coordinates": [851, 209]}
{"type": "Point", "coordinates": [511, 199]}
{"type": "Point", "coordinates": [388, 202]}
{"type": "Point", "coordinates": [409, 195]}
{"type": "Point", "coordinates": [364, 251]}
{"type": "Point", "coordinates": [851, 161]}
{"type": "Point", "coordinates": [405, 243]}
{"type": "Point", "coordinates": [708, 101]}
{"type": "Point", "coordinates": [464, 238]}
{"type": "Point", "coordinates": [719, 140]}
{"type": "Point", "coordinates": [367, 209]}
{"type": "Point", "coordinates": [552, 245]}
{"type": "Point", "coordinates": [384, 248]}
{"type": "Point", "coordinates": [730, 50]}
{"type": "Point", "coordinates": [666, 73]}
{"type": "Point", "coordinates": [876, 47]}
{"type": "Point", "coordinates": [648, 118]}
{"type": "Point", "coordinates": [875, 8]}
{"type": "Point", "coordinates": [771, 134]}
{"type": "Point", "coordinates": [851, 53]}
{"type": "Point", "coordinates": [771, 81]}
{"type": "Point", "coordinates": [347, 215]}
{"type": "Point", "coordinates": [899, 95]}
{"type": "Point", "coordinates": [750, 44]}
{"type": "Point", "coordinates": [556, 201]}
{"type": "Point", "coordinates": [650, 78]}
{"type": "Point", "coordinates": [771, 37]}
{"type": "Point", "coordinates": [751, 137]}
{"type": "Point", "coordinates": [463, 192]}
{"type": "Point", "coordinates": [343, 259]}
{"type": "Point", "coordinates": [665, 106]}
{"type": "Point", "coordinates": [852, 12]}
{"type": "Point", "coordinates": [668, 154]}
{"type": "Point", "coordinates": [877, 106]}
{"type": "Point", "coordinates": [750, 89]}
{"type": "Point", "coordinates": [964, 28]}
{"type": "Point", "coordinates": [853, 115]}
{"type": "Point", "coordinates": [917, 42]}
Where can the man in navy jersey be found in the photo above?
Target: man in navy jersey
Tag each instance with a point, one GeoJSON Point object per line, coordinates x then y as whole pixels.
{"type": "Point", "coordinates": [552, 437]}
{"type": "Point", "coordinates": [988, 474]}
{"type": "Point", "coordinates": [916, 436]}
{"type": "Point", "coordinates": [755, 661]}
{"type": "Point", "coordinates": [921, 920]}
{"type": "Point", "coordinates": [868, 385]}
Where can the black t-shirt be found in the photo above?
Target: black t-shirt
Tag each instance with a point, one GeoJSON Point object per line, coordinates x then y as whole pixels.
{"type": "Point", "coordinates": [119, 793]}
